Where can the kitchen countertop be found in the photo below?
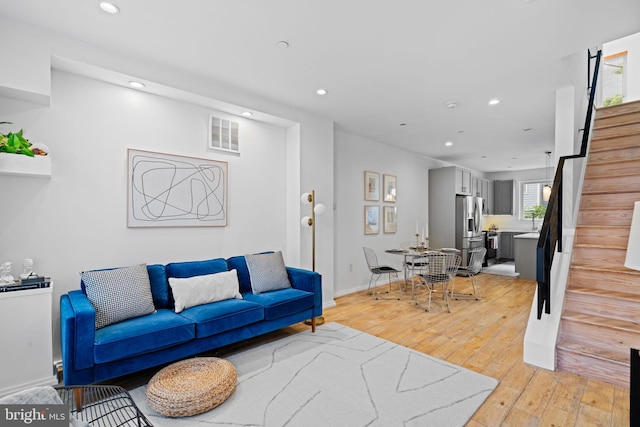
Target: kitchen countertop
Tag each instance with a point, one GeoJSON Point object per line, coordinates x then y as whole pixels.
{"type": "Point", "coordinates": [531, 235]}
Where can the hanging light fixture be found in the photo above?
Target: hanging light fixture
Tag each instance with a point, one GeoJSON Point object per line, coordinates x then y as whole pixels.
{"type": "Point", "coordinates": [546, 190]}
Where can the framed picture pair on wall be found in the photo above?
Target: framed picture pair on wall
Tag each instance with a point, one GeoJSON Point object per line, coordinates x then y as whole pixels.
{"type": "Point", "coordinates": [372, 187]}
{"type": "Point", "coordinates": [374, 192]}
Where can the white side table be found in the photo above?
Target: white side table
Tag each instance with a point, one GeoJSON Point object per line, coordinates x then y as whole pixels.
{"type": "Point", "coordinates": [26, 337]}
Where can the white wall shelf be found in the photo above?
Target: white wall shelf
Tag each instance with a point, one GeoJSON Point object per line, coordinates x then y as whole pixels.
{"type": "Point", "coordinates": [25, 95]}
{"type": "Point", "coordinates": [21, 165]}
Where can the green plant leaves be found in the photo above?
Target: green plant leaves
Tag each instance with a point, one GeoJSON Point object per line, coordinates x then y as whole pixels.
{"type": "Point", "coordinates": [15, 143]}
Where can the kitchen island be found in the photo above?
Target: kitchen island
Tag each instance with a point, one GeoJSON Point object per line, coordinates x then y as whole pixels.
{"type": "Point", "coordinates": [525, 246]}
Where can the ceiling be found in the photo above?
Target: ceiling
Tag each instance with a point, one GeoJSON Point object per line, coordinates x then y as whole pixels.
{"type": "Point", "coordinates": [390, 67]}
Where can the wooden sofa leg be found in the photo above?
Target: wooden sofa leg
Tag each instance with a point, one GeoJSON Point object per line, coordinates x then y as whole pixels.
{"type": "Point", "coordinates": [78, 394]}
{"type": "Point", "coordinates": [313, 324]}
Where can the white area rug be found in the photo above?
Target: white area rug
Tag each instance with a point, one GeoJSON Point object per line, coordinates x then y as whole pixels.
{"type": "Point", "coordinates": [502, 269]}
{"type": "Point", "coordinates": [340, 377]}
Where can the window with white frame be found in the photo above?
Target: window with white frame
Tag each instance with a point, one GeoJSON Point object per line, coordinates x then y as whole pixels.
{"type": "Point", "coordinates": [531, 195]}
{"type": "Point", "coordinates": [613, 84]}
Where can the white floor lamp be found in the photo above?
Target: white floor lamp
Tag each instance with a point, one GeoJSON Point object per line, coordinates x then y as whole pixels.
{"type": "Point", "coordinates": [316, 209]}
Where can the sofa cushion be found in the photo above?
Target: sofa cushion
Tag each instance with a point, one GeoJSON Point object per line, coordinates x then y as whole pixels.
{"type": "Point", "coordinates": [221, 316]}
{"type": "Point", "coordinates": [281, 303]}
{"type": "Point", "coordinates": [267, 272]}
{"type": "Point", "coordinates": [118, 294]}
{"type": "Point", "coordinates": [196, 268]}
{"type": "Point", "coordinates": [159, 285]}
{"type": "Point", "coordinates": [198, 290]}
{"type": "Point", "coordinates": [141, 335]}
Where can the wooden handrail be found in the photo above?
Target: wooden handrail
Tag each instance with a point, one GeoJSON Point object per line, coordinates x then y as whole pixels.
{"type": "Point", "coordinates": [551, 232]}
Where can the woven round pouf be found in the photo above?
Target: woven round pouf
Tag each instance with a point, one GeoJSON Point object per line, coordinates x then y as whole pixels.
{"type": "Point", "coordinates": [191, 386]}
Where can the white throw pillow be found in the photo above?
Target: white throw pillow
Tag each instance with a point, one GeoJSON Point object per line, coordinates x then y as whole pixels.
{"type": "Point", "coordinates": [267, 272]}
{"type": "Point", "coordinates": [198, 290]}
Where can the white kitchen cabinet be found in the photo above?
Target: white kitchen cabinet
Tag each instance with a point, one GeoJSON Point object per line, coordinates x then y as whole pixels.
{"type": "Point", "coordinates": [27, 353]}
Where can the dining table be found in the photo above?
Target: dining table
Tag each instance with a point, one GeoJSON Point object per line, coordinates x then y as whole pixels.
{"type": "Point", "coordinates": [412, 260]}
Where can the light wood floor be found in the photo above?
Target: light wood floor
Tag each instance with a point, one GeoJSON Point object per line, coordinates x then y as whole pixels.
{"type": "Point", "coordinates": [486, 336]}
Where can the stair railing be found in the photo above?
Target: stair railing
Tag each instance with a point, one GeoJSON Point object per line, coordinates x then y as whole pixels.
{"type": "Point", "coordinates": [551, 232]}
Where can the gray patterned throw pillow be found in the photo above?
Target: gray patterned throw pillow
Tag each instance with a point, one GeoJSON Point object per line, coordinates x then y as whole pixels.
{"type": "Point", "coordinates": [119, 294]}
{"type": "Point", "coordinates": [267, 272]}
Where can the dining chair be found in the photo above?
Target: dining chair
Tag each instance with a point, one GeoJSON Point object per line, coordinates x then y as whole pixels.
{"type": "Point", "coordinates": [470, 271]}
{"type": "Point", "coordinates": [412, 263]}
{"type": "Point", "coordinates": [440, 270]}
{"type": "Point", "coordinates": [378, 270]}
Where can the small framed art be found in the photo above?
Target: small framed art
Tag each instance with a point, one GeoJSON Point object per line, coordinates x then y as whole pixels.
{"type": "Point", "coordinates": [390, 184]}
{"type": "Point", "coordinates": [371, 219]}
{"type": "Point", "coordinates": [371, 186]}
{"type": "Point", "coordinates": [390, 214]}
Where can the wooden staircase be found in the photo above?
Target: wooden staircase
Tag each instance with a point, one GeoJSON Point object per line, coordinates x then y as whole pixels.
{"type": "Point", "coordinates": [601, 316]}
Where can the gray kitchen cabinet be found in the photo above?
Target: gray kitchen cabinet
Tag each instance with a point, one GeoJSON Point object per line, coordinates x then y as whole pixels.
{"type": "Point", "coordinates": [463, 181]}
{"type": "Point", "coordinates": [476, 186]}
{"type": "Point", "coordinates": [506, 245]}
{"type": "Point", "coordinates": [444, 184]}
{"type": "Point", "coordinates": [503, 197]}
{"type": "Point", "coordinates": [486, 193]}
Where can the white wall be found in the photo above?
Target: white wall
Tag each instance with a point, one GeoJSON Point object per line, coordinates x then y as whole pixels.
{"type": "Point", "coordinates": [353, 156]}
{"type": "Point", "coordinates": [77, 220]}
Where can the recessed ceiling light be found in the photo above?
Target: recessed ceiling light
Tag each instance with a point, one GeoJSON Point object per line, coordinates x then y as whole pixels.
{"type": "Point", "coordinates": [494, 101]}
{"type": "Point", "coordinates": [448, 143]}
{"type": "Point", "coordinates": [282, 44]}
{"type": "Point", "coordinates": [526, 130]}
{"type": "Point", "coordinates": [247, 113]}
{"type": "Point", "coordinates": [137, 85]}
{"type": "Point", "coordinates": [109, 7]}
{"type": "Point", "coordinates": [451, 105]}
{"type": "Point", "coordinates": [460, 131]}
{"type": "Point", "coordinates": [322, 92]}
{"type": "Point", "coordinates": [403, 124]}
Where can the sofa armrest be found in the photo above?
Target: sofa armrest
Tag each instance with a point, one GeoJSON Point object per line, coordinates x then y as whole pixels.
{"type": "Point", "coordinates": [309, 281]}
{"type": "Point", "coordinates": [78, 329]}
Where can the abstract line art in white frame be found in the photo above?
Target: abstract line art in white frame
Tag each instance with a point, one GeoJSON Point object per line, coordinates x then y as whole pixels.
{"type": "Point", "coordinates": [167, 190]}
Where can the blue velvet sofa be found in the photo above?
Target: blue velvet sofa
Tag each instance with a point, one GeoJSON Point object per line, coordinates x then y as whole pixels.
{"type": "Point", "coordinates": [91, 354]}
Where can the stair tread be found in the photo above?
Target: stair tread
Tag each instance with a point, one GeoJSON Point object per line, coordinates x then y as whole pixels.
{"type": "Point", "coordinates": [617, 110]}
{"type": "Point", "coordinates": [606, 322]}
{"type": "Point", "coordinates": [605, 226]}
{"type": "Point", "coordinates": [606, 268]}
{"type": "Point", "coordinates": [607, 356]}
{"type": "Point", "coordinates": [604, 293]}
{"type": "Point", "coordinates": [599, 246]}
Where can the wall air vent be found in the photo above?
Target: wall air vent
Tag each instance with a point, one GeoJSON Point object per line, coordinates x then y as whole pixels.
{"type": "Point", "coordinates": [223, 134]}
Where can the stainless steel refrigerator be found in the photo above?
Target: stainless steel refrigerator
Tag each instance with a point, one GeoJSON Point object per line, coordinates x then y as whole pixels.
{"type": "Point", "coordinates": [468, 226]}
